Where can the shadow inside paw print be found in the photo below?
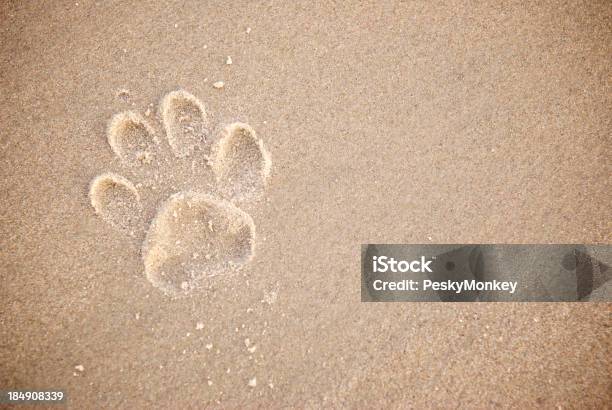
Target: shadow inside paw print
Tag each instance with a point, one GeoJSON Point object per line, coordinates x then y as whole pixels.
{"type": "Point", "coordinates": [191, 182]}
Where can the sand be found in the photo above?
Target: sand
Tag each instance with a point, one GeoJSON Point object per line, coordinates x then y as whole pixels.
{"type": "Point", "coordinates": [429, 122]}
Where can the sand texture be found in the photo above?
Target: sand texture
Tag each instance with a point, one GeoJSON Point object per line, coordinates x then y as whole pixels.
{"type": "Point", "coordinates": [185, 188]}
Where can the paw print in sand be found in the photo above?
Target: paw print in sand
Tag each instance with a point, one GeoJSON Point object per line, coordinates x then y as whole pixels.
{"type": "Point", "coordinates": [185, 204]}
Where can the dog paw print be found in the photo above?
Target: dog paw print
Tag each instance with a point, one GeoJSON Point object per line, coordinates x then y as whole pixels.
{"type": "Point", "coordinates": [183, 192]}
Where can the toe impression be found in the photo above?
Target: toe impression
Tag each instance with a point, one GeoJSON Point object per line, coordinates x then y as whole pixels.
{"type": "Point", "coordinates": [117, 201]}
{"type": "Point", "coordinates": [132, 139]}
{"type": "Point", "coordinates": [185, 122]}
{"type": "Point", "coordinates": [242, 163]}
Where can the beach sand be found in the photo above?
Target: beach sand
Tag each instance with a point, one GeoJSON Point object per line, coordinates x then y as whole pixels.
{"type": "Point", "coordinates": [406, 122]}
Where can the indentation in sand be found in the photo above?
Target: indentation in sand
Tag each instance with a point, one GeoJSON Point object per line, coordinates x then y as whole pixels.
{"type": "Point", "coordinates": [185, 122]}
{"type": "Point", "coordinates": [242, 163]}
{"type": "Point", "coordinates": [131, 138]}
{"type": "Point", "coordinates": [193, 236]}
{"type": "Point", "coordinates": [116, 200]}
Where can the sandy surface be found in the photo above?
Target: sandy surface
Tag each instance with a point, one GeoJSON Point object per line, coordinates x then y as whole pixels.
{"type": "Point", "coordinates": [387, 123]}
